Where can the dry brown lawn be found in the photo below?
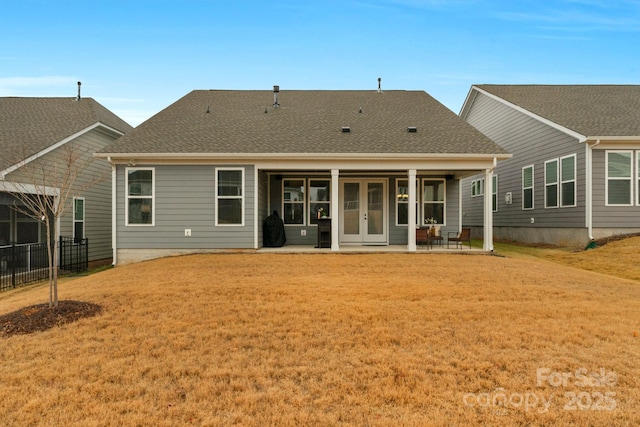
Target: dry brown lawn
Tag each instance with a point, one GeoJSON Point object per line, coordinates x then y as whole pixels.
{"type": "Point", "coordinates": [353, 340]}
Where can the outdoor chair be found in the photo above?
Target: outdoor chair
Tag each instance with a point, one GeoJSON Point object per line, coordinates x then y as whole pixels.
{"type": "Point", "coordinates": [422, 236]}
{"type": "Point", "coordinates": [459, 238]}
{"type": "Point", "coordinates": [426, 236]}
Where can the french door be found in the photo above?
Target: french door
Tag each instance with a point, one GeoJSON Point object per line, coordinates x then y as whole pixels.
{"type": "Point", "coordinates": [363, 216]}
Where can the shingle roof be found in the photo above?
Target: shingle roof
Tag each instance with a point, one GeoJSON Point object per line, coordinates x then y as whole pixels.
{"type": "Point", "coordinates": [245, 122]}
{"type": "Point", "coordinates": [30, 125]}
{"type": "Point", "coordinates": [590, 110]}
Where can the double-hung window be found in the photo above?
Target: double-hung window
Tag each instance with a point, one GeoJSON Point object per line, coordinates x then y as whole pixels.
{"type": "Point", "coordinates": [433, 201]}
{"type": "Point", "coordinates": [494, 193]}
{"type": "Point", "coordinates": [402, 202]}
{"type": "Point", "coordinates": [527, 187]}
{"type": "Point", "coordinates": [477, 187]}
{"type": "Point", "coordinates": [78, 218]}
{"type": "Point", "coordinates": [319, 199]}
{"type": "Point", "coordinates": [140, 196]}
{"type": "Point", "coordinates": [619, 181]}
{"type": "Point", "coordinates": [293, 199]}
{"type": "Point", "coordinates": [229, 196]}
{"type": "Point", "coordinates": [568, 181]}
{"type": "Point", "coordinates": [551, 183]}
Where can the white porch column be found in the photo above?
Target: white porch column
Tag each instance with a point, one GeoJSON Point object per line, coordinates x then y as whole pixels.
{"type": "Point", "coordinates": [488, 210]}
{"type": "Point", "coordinates": [411, 221]}
{"type": "Point", "coordinates": [335, 209]}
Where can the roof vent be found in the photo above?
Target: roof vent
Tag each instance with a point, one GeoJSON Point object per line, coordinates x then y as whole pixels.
{"type": "Point", "coordinates": [379, 85]}
{"type": "Point", "coordinates": [79, 84]}
{"type": "Point", "coordinates": [346, 129]}
{"type": "Point", "coordinates": [412, 129]}
{"type": "Point", "coordinates": [360, 110]}
{"type": "Point", "coordinates": [276, 90]}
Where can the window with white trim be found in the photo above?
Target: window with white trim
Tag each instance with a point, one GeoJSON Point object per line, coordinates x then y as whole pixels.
{"type": "Point", "coordinates": [402, 202]}
{"type": "Point", "coordinates": [494, 194]}
{"type": "Point", "coordinates": [568, 181]}
{"type": "Point", "coordinates": [619, 173]}
{"type": "Point", "coordinates": [140, 189]}
{"type": "Point", "coordinates": [319, 199]}
{"type": "Point", "coordinates": [293, 200]}
{"type": "Point", "coordinates": [477, 187]}
{"type": "Point", "coordinates": [527, 187]}
{"type": "Point", "coordinates": [78, 218]}
{"type": "Point", "coordinates": [551, 184]}
{"type": "Point", "coordinates": [229, 196]}
{"type": "Point", "coordinates": [433, 201]}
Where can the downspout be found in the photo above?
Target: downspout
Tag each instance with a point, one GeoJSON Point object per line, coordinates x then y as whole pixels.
{"type": "Point", "coordinates": [589, 188]}
{"type": "Point", "coordinates": [114, 221]}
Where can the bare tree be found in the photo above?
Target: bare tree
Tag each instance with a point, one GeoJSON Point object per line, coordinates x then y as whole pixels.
{"type": "Point", "coordinates": [45, 189]}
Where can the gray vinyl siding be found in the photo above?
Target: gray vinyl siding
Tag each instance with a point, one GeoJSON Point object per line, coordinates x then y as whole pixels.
{"type": "Point", "coordinates": [97, 196]}
{"type": "Point", "coordinates": [532, 143]}
{"type": "Point", "coordinates": [611, 216]}
{"type": "Point", "coordinates": [185, 199]}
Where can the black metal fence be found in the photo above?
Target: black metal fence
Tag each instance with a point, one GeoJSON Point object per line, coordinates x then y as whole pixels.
{"type": "Point", "coordinates": [74, 255]}
{"type": "Point", "coordinates": [25, 263]}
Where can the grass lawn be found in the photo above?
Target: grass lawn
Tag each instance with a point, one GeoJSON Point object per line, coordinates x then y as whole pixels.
{"type": "Point", "coordinates": [362, 340]}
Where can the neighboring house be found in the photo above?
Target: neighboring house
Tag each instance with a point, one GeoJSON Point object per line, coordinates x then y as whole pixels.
{"type": "Point", "coordinates": [575, 171]}
{"type": "Point", "coordinates": [34, 132]}
{"type": "Point", "coordinates": [203, 174]}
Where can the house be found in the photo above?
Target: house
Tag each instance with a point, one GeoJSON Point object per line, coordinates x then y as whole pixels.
{"type": "Point", "coordinates": [204, 173]}
{"type": "Point", "coordinates": [575, 171]}
{"type": "Point", "coordinates": [34, 135]}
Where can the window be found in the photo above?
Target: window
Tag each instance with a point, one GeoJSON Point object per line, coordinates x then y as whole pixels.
{"type": "Point", "coordinates": [494, 194]}
{"type": "Point", "coordinates": [568, 181]}
{"type": "Point", "coordinates": [402, 202]}
{"type": "Point", "coordinates": [293, 199]}
{"type": "Point", "coordinates": [551, 184]}
{"type": "Point", "coordinates": [78, 218]}
{"type": "Point", "coordinates": [619, 166]}
{"type": "Point", "coordinates": [527, 187]}
{"type": "Point", "coordinates": [477, 187]}
{"type": "Point", "coordinates": [433, 197]}
{"type": "Point", "coordinates": [319, 198]}
{"type": "Point", "coordinates": [229, 196]}
{"type": "Point", "coordinates": [140, 196]}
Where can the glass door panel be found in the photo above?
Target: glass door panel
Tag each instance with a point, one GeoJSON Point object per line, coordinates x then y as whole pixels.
{"type": "Point", "coordinates": [375, 208]}
{"type": "Point", "coordinates": [351, 208]}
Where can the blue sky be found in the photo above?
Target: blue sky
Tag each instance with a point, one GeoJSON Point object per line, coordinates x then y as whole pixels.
{"type": "Point", "coordinates": [136, 57]}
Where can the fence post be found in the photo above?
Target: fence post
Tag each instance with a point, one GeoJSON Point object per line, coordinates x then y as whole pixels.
{"type": "Point", "coordinates": [13, 262]}
{"type": "Point", "coordinates": [86, 255]}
